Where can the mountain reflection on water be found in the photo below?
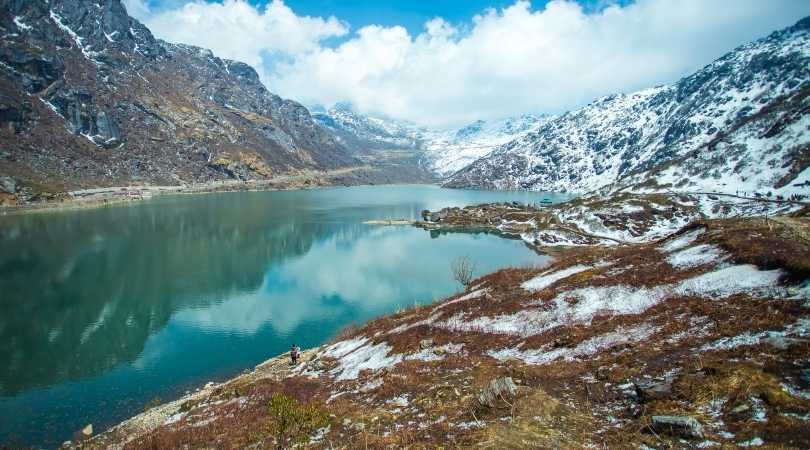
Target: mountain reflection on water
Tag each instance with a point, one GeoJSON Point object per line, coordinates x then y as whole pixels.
{"type": "Point", "coordinates": [102, 310]}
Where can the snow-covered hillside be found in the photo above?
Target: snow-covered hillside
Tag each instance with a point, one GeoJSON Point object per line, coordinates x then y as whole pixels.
{"type": "Point", "coordinates": [447, 152]}
{"type": "Point", "coordinates": [361, 133]}
{"type": "Point", "coordinates": [739, 124]}
{"type": "Point", "coordinates": [443, 152]}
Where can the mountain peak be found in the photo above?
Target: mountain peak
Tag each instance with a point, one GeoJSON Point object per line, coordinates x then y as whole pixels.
{"type": "Point", "coordinates": [126, 107]}
{"type": "Point", "coordinates": [736, 124]}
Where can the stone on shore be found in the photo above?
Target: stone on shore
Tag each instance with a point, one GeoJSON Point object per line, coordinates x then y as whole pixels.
{"type": "Point", "coordinates": [683, 426]}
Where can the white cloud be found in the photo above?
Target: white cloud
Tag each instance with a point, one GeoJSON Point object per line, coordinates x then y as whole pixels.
{"type": "Point", "coordinates": [236, 30]}
{"type": "Point", "coordinates": [504, 62]}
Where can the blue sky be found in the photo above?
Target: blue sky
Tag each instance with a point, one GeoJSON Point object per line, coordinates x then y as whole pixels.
{"type": "Point", "coordinates": [430, 62]}
{"type": "Point", "coordinates": [411, 14]}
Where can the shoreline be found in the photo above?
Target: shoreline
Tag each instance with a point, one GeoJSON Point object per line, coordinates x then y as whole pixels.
{"type": "Point", "coordinates": [102, 197]}
{"type": "Point", "coordinates": [117, 436]}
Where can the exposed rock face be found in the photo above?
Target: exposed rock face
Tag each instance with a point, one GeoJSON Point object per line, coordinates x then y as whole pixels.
{"type": "Point", "coordinates": [89, 97]}
{"type": "Point", "coordinates": [740, 123]}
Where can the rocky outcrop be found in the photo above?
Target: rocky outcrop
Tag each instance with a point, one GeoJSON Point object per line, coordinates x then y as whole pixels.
{"type": "Point", "coordinates": [89, 97]}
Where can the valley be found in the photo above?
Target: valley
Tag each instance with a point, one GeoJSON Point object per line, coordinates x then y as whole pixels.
{"type": "Point", "coordinates": [633, 272]}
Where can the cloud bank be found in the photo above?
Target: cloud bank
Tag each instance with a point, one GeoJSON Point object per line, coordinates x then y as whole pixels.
{"type": "Point", "coordinates": [502, 63]}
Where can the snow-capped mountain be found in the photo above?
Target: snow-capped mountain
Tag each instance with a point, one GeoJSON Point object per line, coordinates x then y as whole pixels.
{"type": "Point", "coordinates": [446, 152]}
{"type": "Point", "coordinates": [742, 123]}
{"type": "Point", "coordinates": [443, 152]}
{"type": "Point", "coordinates": [363, 133]}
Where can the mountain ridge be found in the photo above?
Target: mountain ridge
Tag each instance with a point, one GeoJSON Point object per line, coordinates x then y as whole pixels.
{"type": "Point", "coordinates": [692, 134]}
{"type": "Point", "coordinates": [442, 152]}
{"type": "Point", "coordinates": [88, 97]}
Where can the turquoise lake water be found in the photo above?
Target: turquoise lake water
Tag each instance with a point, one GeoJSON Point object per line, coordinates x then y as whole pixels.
{"type": "Point", "coordinates": [103, 310]}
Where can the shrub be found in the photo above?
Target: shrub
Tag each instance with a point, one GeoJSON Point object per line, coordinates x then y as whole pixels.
{"type": "Point", "coordinates": [463, 269]}
{"type": "Point", "coordinates": [290, 421]}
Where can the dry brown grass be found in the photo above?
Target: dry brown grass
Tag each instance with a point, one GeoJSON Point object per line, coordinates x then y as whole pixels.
{"type": "Point", "coordinates": [766, 243]}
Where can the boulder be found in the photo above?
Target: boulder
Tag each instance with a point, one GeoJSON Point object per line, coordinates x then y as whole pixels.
{"type": "Point", "coordinates": [425, 343]}
{"type": "Point", "coordinates": [7, 184]}
{"type": "Point", "coordinates": [657, 389]}
{"type": "Point", "coordinates": [88, 430]}
{"type": "Point", "coordinates": [499, 389]}
{"type": "Point", "coordinates": [602, 373]}
{"type": "Point", "coordinates": [682, 426]}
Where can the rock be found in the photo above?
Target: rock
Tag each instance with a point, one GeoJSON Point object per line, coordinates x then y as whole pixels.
{"type": "Point", "coordinates": [7, 184]}
{"type": "Point", "coordinates": [105, 131]}
{"type": "Point", "coordinates": [67, 444]}
{"type": "Point", "coordinates": [740, 408]}
{"type": "Point", "coordinates": [649, 390]}
{"type": "Point", "coordinates": [347, 422]}
{"type": "Point", "coordinates": [683, 426]}
{"type": "Point", "coordinates": [88, 430]}
{"type": "Point", "coordinates": [242, 70]}
{"type": "Point", "coordinates": [499, 389]}
{"type": "Point", "coordinates": [425, 214]}
{"type": "Point", "coordinates": [602, 373]}
{"type": "Point", "coordinates": [425, 343]}
{"type": "Point", "coordinates": [806, 375]}
{"type": "Point", "coordinates": [316, 365]}
{"type": "Point", "coordinates": [359, 426]}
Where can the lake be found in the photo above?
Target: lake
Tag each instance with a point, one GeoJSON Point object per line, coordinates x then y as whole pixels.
{"type": "Point", "coordinates": [103, 310]}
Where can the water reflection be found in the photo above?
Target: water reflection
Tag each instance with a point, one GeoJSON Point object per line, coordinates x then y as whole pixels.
{"type": "Point", "coordinates": [99, 284]}
{"type": "Point", "coordinates": [102, 310]}
{"type": "Point", "coordinates": [342, 272]}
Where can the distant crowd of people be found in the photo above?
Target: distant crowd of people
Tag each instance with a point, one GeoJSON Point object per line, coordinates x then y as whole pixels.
{"type": "Point", "coordinates": [793, 197]}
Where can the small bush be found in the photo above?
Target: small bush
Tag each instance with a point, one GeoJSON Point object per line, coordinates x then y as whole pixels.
{"type": "Point", "coordinates": [151, 404]}
{"type": "Point", "coordinates": [291, 422]}
{"type": "Point", "coordinates": [463, 269]}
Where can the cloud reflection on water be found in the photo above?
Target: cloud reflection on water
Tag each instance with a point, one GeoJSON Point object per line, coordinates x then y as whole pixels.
{"type": "Point", "coordinates": [383, 269]}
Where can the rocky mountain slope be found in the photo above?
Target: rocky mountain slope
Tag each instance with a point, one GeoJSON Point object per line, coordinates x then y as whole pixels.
{"type": "Point", "coordinates": [88, 97]}
{"type": "Point", "coordinates": [442, 152]}
{"type": "Point", "coordinates": [739, 124]}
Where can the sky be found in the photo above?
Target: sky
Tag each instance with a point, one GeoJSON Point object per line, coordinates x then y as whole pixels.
{"type": "Point", "coordinates": [445, 63]}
